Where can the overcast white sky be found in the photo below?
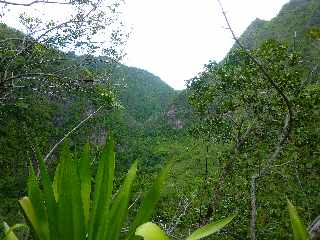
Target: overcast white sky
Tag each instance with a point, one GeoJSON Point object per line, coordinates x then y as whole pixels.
{"type": "Point", "coordinates": [174, 38]}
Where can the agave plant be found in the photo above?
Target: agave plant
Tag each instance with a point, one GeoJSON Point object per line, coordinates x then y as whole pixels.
{"type": "Point", "coordinates": [62, 208]}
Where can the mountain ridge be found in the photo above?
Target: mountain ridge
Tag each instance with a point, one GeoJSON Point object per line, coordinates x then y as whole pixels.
{"type": "Point", "coordinates": [304, 14]}
{"type": "Point", "coordinates": [290, 25]}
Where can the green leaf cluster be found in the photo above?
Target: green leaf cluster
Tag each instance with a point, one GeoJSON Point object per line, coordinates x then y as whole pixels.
{"type": "Point", "coordinates": [62, 208]}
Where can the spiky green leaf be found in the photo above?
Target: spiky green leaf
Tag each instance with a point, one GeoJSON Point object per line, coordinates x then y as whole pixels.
{"type": "Point", "coordinates": [210, 228]}
{"type": "Point", "coordinates": [299, 230]}
{"type": "Point", "coordinates": [103, 192]}
{"type": "Point", "coordinates": [119, 207]}
{"type": "Point", "coordinates": [56, 183]}
{"type": "Point", "coordinates": [8, 231]}
{"type": "Point", "coordinates": [50, 201]}
{"type": "Point", "coordinates": [41, 227]}
{"type": "Point", "coordinates": [85, 178]}
{"type": "Point", "coordinates": [70, 210]}
{"type": "Point", "coordinates": [30, 214]}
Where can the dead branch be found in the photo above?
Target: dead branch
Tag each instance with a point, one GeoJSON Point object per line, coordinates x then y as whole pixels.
{"type": "Point", "coordinates": [70, 132]}
{"type": "Point", "coordinates": [286, 130]}
{"type": "Point", "coordinates": [34, 2]}
{"type": "Point", "coordinates": [239, 141]}
{"type": "Point", "coordinates": [314, 229]}
{"type": "Point", "coordinates": [182, 209]}
{"type": "Point", "coordinates": [135, 201]}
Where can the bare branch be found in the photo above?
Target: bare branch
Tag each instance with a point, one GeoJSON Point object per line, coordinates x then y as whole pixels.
{"type": "Point", "coordinates": [253, 228]}
{"type": "Point", "coordinates": [70, 132]}
{"type": "Point", "coordinates": [11, 39]}
{"type": "Point", "coordinates": [285, 133]}
{"type": "Point", "coordinates": [29, 75]}
{"type": "Point", "coordinates": [181, 211]}
{"type": "Point", "coordinates": [314, 229]}
{"type": "Point", "coordinates": [135, 201]}
{"type": "Point", "coordinates": [261, 67]}
{"type": "Point", "coordinates": [34, 2]}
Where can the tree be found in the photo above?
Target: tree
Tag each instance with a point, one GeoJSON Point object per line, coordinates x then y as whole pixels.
{"type": "Point", "coordinates": [240, 108]}
{"type": "Point", "coordinates": [51, 79]}
{"type": "Point", "coordinates": [34, 57]}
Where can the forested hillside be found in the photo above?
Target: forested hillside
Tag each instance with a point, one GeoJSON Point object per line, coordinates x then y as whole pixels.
{"type": "Point", "coordinates": [41, 111]}
{"type": "Point", "coordinates": [142, 94]}
{"type": "Point", "coordinates": [294, 25]}
{"type": "Point", "coordinates": [234, 131]}
{"type": "Point", "coordinates": [239, 143]}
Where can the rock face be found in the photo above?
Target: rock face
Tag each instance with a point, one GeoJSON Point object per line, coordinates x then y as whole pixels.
{"type": "Point", "coordinates": [173, 119]}
{"type": "Point", "coordinates": [99, 136]}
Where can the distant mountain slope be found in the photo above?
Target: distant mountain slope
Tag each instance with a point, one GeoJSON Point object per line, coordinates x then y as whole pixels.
{"type": "Point", "coordinates": [40, 118]}
{"type": "Point", "coordinates": [295, 18]}
{"type": "Point", "coordinates": [141, 92]}
{"type": "Point", "coordinates": [175, 117]}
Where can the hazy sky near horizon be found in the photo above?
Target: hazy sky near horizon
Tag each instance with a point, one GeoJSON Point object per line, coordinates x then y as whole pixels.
{"type": "Point", "coordinates": [173, 39]}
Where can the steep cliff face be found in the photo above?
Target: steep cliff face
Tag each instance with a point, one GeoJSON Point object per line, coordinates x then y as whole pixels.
{"type": "Point", "coordinates": [176, 117]}
{"type": "Point", "coordinates": [172, 118]}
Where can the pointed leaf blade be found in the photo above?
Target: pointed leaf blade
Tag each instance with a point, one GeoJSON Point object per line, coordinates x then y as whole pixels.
{"type": "Point", "coordinates": [50, 201]}
{"type": "Point", "coordinates": [210, 228]}
{"type": "Point", "coordinates": [103, 192]}
{"type": "Point", "coordinates": [299, 230]}
{"type": "Point", "coordinates": [31, 215]}
{"type": "Point", "coordinates": [41, 228]}
{"type": "Point", "coordinates": [119, 207]}
{"type": "Point", "coordinates": [8, 231]}
{"type": "Point", "coordinates": [56, 183]}
{"type": "Point", "coordinates": [85, 178]}
{"type": "Point", "coordinates": [70, 210]}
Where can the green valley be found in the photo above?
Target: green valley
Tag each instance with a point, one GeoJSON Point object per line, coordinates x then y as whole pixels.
{"type": "Point", "coordinates": [243, 138]}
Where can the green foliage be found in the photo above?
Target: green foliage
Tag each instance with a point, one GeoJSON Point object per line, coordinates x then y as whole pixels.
{"type": "Point", "coordinates": [239, 108]}
{"type": "Point", "coordinates": [150, 231]}
{"type": "Point", "coordinates": [62, 209]}
{"type": "Point", "coordinates": [296, 18]}
{"type": "Point", "coordinates": [230, 98]}
{"type": "Point", "coordinates": [45, 106]}
{"type": "Point", "coordinates": [299, 230]}
{"type": "Point", "coordinates": [8, 231]}
{"type": "Point", "coordinates": [235, 91]}
{"type": "Point", "coordinates": [141, 93]}
{"type": "Point", "coordinates": [314, 33]}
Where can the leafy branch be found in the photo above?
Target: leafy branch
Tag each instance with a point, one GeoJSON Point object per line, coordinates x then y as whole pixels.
{"type": "Point", "coordinates": [287, 128]}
